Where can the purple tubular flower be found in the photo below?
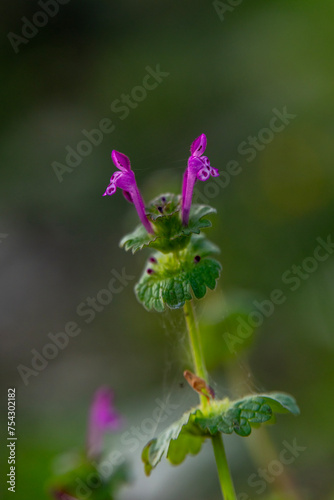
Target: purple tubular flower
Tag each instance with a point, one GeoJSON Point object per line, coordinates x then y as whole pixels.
{"type": "Point", "coordinates": [125, 180]}
{"type": "Point", "coordinates": [198, 168]}
{"type": "Point", "coordinates": [102, 418]}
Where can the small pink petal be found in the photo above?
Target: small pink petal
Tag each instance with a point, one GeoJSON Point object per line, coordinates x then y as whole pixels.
{"type": "Point", "coordinates": [111, 189]}
{"type": "Point", "coordinates": [214, 172]}
{"type": "Point", "coordinates": [203, 174]}
{"type": "Point", "coordinates": [121, 161]}
{"type": "Point", "coordinates": [198, 146]}
{"type": "Point", "coordinates": [115, 176]}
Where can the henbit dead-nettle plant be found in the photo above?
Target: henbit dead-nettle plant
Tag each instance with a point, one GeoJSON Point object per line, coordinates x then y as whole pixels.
{"type": "Point", "coordinates": [177, 273]}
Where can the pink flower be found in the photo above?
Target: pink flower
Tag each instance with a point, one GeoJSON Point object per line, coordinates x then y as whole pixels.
{"type": "Point", "coordinates": [125, 180]}
{"type": "Point", "coordinates": [102, 418]}
{"type": "Point", "coordinates": [198, 168]}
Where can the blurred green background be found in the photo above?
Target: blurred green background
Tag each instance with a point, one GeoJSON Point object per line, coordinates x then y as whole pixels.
{"type": "Point", "coordinates": [59, 240]}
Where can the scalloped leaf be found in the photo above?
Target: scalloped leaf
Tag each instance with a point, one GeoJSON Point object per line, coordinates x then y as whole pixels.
{"type": "Point", "coordinates": [170, 235]}
{"type": "Point", "coordinates": [172, 280]}
{"type": "Point", "coordinates": [186, 436]}
{"type": "Point", "coordinates": [176, 442]}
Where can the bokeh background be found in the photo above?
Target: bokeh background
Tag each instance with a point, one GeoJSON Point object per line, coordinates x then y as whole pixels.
{"type": "Point", "coordinates": [59, 240]}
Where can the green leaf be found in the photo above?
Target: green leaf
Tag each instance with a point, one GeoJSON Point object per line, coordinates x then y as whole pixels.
{"type": "Point", "coordinates": [176, 442]}
{"type": "Point", "coordinates": [186, 436]}
{"type": "Point", "coordinates": [282, 403]}
{"type": "Point", "coordinates": [174, 278]}
{"type": "Point", "coordinates": [241, 415]}
{"type": "Point", "coordinates": [196, 220]}
{"type": "Point", "coordinates": [170, 235]}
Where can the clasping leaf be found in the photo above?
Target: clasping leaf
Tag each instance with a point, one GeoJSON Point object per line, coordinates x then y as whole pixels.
{"type": "Point", "coordinates": [188, 433]}
{"type": "Point", "coordinates": [164, 213]}
{"type": "Point", "coordinates": [175, 278]}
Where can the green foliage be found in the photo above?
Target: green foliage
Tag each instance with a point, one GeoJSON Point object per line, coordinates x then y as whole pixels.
{"type": "Point", "coordinates": [181, 438]}
{"type": "Point", "coordinates": [175, 276]}
{"type": "Point", "coordinates": [187, 434]}
{"type": "Point", "coordinates": [170, 235]}
{"type": "Point", "coordinates": [241, 415]}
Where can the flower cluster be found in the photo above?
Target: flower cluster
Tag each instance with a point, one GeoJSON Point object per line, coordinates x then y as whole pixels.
{"type": "Point", "coordinates": [198, 168]}
{"type": "Point", "coordinates": [102, 418]}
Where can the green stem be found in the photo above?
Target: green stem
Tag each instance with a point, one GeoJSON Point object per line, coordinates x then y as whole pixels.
{"type": "Point", "coordinates": [225, 479]}
{"type": "Point", "coordinates": [195, 341]}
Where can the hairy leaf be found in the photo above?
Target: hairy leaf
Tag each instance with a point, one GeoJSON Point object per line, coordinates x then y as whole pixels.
{"type": "Point", "coordinates": [171, 279]}
{"type": "Point", "coordinates": [183, 437]}
{"type": "Point", "coordinates": [187, 434]}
